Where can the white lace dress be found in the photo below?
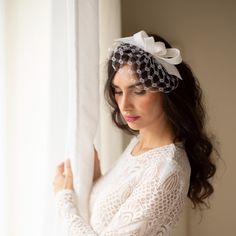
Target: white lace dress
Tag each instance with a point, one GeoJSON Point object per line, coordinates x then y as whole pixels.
{"type": "Point", "coordinates": [140, 195]}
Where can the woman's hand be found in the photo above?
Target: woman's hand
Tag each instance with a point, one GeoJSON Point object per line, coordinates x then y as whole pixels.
{"type": "Point", "coordinates": [64, 177]}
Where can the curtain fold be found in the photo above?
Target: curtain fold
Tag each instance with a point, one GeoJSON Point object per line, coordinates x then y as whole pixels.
{"type": "Point", "coordinates": [87, 100]}
{"type": "Point", "coordinates": [96, 24]}
{"type": "Point", "coordinates": [111, 138]}
{"type": "Point", "coordinates": [89, 119]}
{"type": "Point", "coordinates": [83, 97]}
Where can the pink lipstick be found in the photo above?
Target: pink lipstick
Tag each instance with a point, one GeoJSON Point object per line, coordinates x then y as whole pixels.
{"type": "Point", "coordinates": [131, 118]}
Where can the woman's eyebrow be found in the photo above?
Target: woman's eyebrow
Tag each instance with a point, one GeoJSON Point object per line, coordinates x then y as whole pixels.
{"type": "Point", "coordinates": [136, 84]}
{"type": "Point", "coordinates": [131, 86]}
{"type": "Point", "coordinates": [114, 86]}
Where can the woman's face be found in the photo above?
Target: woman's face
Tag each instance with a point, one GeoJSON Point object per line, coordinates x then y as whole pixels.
{"type": "Point", "coordinates": [142, 109]}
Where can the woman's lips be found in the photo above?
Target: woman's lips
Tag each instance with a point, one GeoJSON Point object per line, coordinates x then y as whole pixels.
{"type": "Point", "coordinates": [131, 118]}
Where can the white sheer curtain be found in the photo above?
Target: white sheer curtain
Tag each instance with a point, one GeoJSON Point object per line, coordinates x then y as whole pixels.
{"type": "Point", "coordinates": [83, 95]}
{"type": "Point", "coordinates": [42, 115]}
{"type": "Point", "coordinates": [25, 110]}
{"type": "Point", "coordinates": [83, 100]}
{"type": "Point", "coordinates": [2, 122]}
{"type": "Point", "coordinates": [88, 121]}
{"type": "Point", "coordinates": [111, 144]}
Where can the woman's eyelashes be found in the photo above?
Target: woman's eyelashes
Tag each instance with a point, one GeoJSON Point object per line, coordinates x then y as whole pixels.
{"type": "Point", "coordinates": [117, 92]}
{"type": "Point", "coordinates": [138, 92]}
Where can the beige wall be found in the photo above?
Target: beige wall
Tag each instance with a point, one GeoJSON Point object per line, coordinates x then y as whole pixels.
{"type": "Point", "coordinates": [206, 34]}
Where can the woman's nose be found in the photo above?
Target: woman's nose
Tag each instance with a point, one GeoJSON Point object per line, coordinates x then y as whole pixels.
{"type": "Point", "coordinates": [125, 103]}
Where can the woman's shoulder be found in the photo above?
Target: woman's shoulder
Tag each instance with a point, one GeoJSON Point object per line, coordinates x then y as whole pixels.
{"type": "Point", "coordinates": [170, 158]}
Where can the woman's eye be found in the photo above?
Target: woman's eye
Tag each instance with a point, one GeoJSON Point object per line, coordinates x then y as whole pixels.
{"type": "Point", "coordinates": [118, 92]}
{"type": "Point", "coordinates": [140, 92]}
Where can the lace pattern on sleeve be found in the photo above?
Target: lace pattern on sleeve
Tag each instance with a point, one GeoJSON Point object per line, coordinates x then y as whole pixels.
{"type": "Point", "coordinates": [153, 207]}
{"type": "Point", "coordinates": [67, 210]}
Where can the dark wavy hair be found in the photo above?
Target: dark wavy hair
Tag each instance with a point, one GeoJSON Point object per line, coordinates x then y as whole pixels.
{"type": "Point", "coordinates": [185, 111]}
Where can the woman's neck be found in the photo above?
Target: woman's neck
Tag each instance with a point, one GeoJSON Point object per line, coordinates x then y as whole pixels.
{"type": "Point", "coordinates": [155, 136]}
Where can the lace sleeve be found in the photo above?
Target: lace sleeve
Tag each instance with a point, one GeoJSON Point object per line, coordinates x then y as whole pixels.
{"type": "Point", "coordinates": [153, 208]}
{"type": "Point", "coordinates": [67, 210]}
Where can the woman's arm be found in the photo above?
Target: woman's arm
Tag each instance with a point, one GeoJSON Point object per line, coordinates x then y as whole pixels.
{"type": "Point", "coordinates": [153, 206]}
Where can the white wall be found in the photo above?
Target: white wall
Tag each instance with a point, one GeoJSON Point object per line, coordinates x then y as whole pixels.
{"type": "Point", "coordinates": [206, 34]}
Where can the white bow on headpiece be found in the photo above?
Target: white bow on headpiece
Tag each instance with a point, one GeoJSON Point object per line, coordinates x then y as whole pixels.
{"type": "Point", "coordinates": [168, 57]}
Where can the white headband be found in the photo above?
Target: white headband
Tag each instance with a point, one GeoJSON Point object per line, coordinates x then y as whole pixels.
{"type": "Point", "coordinates": [168, 57]}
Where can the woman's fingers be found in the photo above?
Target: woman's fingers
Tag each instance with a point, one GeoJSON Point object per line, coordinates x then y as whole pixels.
{"type": "Point", "coordinates": [60, 169]}
{"type": "Point", "coordinates": [64, 176]}
{"type": "Point", "coordinates": [64, 167]}
{"type": "Point", "coordinates": [68, 175]}
{"type": "Point", "coordinates": [68, 170]}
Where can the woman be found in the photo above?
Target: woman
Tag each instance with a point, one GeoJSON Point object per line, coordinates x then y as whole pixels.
{"type": "Point", "coordinates": [155, 97]}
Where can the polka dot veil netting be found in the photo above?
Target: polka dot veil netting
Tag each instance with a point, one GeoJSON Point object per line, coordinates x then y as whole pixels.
{"type": "Point", "coordinates": [150, 72]}
{"type": "Point", "coordinates": [150, 61]}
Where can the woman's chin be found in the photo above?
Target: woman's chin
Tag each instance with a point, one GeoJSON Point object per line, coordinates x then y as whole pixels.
{"type": "Point", "coordinates": [133, 126]}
